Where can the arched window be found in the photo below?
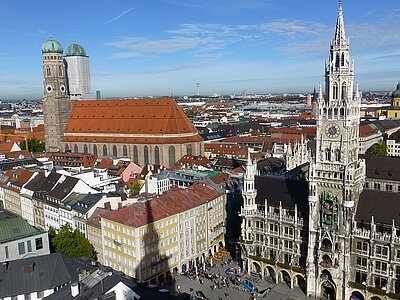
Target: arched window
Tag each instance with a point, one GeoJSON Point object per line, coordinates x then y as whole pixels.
{"type": "Point", "coordinates": [189, 149]}
{"type": "Point", "coordinates": [171, 155]}
{"type": "Point", "coordinates": [124, 151]}
{"type": "Point", "coordinates": [48, 72]}
{"type": "Point", "coordinates": [145, 155]}
{"type": "Point", "coordinates": [60, 71]}
{"type": "Point", "coordinates": [342, 60]}
{"type": "Point", "coordinates": [337, 61]}
{"type": "Point", "coordinates": [156, 155]}
{"type": "Point", "coordinates": [344, 91]}
{"type": "Point", "coordinates": [95, 150]}
{"type": "Point", "coordinates": [104, 150]}
{"type": "Point", "coordinates": [135, 155]}
{"type": "Point", "coordinates": [76, 148]}
{"type": "Point", "coordinates": [115, 152]}
{"type": "Point", "coordinates": [342, 111]}
{"type": "Point", "coordinates": [328, 154]}
{"type": "Point", "coordinates": [85, 149]}
{"type": "Point", "coordinates": [335, 91]}
{"type": "Point", "coordinates": [66, 148]}
{"type": "Point", "coordinates": [337, 155]}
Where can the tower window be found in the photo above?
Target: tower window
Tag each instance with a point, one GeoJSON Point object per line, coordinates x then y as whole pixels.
{"type": "Point", "coordinates": [60, 71]}
{"type": "Point", "coordinates": [328, 154]}
{"type": "Point", "coordinates": [342, 59]}
{"type": "Point", "coordinates": [337, 61]}
{"type": "Point", "coordinates": [48, 72]}
{"type": "Point", "coordinates": [344, 90]}
{"type": "Point", "coordinates": [335, 91]}
{"type": "Point", "coordinates": [337, 155]}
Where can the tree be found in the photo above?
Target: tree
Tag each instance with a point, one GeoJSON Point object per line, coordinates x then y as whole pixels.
{"type": "Point", "coordinates": [73, 243]}
{"type": "Point", "coordinates": [135, 189]}
{"type": "Point", "coordinates": [379, 149]}
{"type": "Point", "coordinates": [34, 145]}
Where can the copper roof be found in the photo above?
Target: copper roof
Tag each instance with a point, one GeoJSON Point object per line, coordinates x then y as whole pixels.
{"type": "Point", "coordinates": [133, 120]}
{"type": "Point", "coordinates": [168, 204]}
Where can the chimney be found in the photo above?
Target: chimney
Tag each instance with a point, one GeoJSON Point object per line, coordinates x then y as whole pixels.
{"type": "Point", "coordinates": [107, 205]}
{"type": "Point", "coordinates": [119, 205]}
{"type": "Point", "coordinates": [74, 289]}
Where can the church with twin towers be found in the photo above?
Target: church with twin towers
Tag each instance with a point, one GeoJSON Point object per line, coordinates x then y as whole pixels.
{"type": "Point", "coordinates": [321, 234]}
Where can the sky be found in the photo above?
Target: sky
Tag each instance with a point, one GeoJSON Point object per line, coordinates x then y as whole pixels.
{"type": "Point", "coordinates": [165, 47]}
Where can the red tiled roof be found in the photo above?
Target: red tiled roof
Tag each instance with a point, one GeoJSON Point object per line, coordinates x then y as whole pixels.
{"type": "Point", "coordinates": [220, 178]}
{"type": "Point", "coordinates": [224, 149]}
{"type": "Point", "coordinates": [171, 202]}
{"type": "Point", "coordinates": [190, 160]}
{"type": "Point", "coordinates": [152, 119]}
{"type": "Point", "coordinates": [366, 130]}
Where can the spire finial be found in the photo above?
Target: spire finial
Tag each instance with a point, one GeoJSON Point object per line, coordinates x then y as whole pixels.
{"type": "Point", "coordinates": [340, 35]}
{"type": "Point", "coordinates": [51, 36]}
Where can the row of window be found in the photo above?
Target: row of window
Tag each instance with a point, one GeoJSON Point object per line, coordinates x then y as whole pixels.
{"type": "Point", "coordinates": [171, 152]}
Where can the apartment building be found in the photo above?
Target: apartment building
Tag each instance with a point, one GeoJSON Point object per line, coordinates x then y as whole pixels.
{"type": "Point", "coordinates": [157, 236]}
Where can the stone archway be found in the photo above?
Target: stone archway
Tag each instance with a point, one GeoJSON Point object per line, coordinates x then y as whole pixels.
{"type": "Point", "coordinates": [256, 268]}
{"type": "Point", "coordinates": [285, 277]}
{"type": "Point", "coordinates": [328, 291]}
{"type": "Point", "coordinates": [356, 295]}
{"type": "Point", "coordinates": [270, 274]}
{"type": "Point", "coordinates": [300, 282]}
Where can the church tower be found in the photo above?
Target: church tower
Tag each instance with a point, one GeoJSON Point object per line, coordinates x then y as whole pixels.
{"type": "Point", "coordinates": [336, 174]}
{"type": "Point", "coordinates": [56, 102]}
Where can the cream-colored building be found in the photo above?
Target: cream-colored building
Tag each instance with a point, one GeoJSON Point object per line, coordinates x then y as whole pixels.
{"type": "Point", "coordinates": [152, 238]}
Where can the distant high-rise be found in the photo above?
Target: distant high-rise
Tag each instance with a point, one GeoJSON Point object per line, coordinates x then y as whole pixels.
{"type": "Point", "coordinates": [78, 72]}
{"type": "Point", "coordinates": [56, 102]}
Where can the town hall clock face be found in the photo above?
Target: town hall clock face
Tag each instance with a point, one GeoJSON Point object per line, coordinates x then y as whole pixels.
{"type": "Point", "coordinates": [332, 130]}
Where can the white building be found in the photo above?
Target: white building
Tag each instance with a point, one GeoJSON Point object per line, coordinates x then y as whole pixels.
{"type": "Point", "coordinates": [393, 144]}
{"type": "Point", "coordinates": [19, 239]}
{"type": "Point", "coordinates": [78, 72]}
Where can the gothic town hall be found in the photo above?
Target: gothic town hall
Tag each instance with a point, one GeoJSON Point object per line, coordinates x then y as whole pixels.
{"type": "Point", "coordinates": [328, 234]}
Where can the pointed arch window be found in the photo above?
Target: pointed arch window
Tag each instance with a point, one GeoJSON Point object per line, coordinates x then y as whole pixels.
{"type": "Point", "coordinates": [146, 155]}
{"type": "Point", "coordinates": [342, 60]}
{"type": "Point", "coordinates": [85, 149]}
{"type": "Point", "coordinates": [76, 148]}
{"type": "Point", "coordinates": [171, 155]}
{"type": "Point", "coordinates": [115, 151]}
{"type": "Point", "coordinates": [104, 150]}
{"type": "Point", "coordinates": [48, 72]}
{"type": "Point", "coordinates": [338, 155]}
{"type": "Point", "coordinates": [124, 151]}
{"type": "Point", "coordinates": [95, 150]}
{"type": "Point", "coordinates": [328, 154]}
{"type": "Point", "coordinates": [135, 155]}
{"type": "Point", "coordinates": [60, 71]}
{"type": "Point", "coordinates": [344, 90]}
{"type": "Point", "coordinates": [337, 61]}
{"type": "Point", "coordinates": [156, 155]}
{"type": "Point", "coordinates": [335, 91]}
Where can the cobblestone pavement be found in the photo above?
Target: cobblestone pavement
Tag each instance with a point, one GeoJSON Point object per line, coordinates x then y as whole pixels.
{"type": "Point", "coordinates": [278, 292]}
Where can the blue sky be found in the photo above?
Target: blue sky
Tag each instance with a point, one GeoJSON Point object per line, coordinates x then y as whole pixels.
{"type": "Point", "coordinates": [154, 47]}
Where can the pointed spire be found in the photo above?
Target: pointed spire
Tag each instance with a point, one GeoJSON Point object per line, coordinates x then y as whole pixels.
{"type": "Point", "coordinates": [340, 35]}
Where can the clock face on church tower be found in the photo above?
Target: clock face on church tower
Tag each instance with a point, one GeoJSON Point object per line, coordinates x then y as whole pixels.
{"type": "Point", "coordinates": [332, 130]}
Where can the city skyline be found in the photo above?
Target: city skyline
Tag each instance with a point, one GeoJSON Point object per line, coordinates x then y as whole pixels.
{"type": "Point", "coordinates": [142, 48]}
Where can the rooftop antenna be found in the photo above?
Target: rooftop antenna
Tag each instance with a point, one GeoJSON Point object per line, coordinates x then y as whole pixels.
{"type": "Point", "coordinates": [198, 88]}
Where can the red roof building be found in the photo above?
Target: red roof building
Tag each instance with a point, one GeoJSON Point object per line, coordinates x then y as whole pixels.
{"type": "Point", "coordinates": [154, 131]}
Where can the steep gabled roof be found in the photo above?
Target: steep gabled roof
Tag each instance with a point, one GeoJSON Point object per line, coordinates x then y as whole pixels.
{"type": "Point", "coordinates": [133, 119]}
{"type": "Point", "coordinates": [39, 273]}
